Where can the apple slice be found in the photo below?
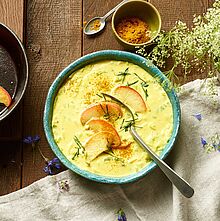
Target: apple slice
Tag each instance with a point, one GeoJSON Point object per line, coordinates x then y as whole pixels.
{"type": "Point", "coordinates": [98, 125]}
{"type": "Point", "coordinates": [5, 97]}
{"type": "Point", "coordinates": [131, 97]}
{"type": "Point", "coordinates": [97, 144]}
{"type": "Point", "coordinates": [103, 109]}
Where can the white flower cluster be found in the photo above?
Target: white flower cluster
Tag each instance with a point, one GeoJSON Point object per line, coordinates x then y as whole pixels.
{"type": "Point", "coordinates": [197, 48]}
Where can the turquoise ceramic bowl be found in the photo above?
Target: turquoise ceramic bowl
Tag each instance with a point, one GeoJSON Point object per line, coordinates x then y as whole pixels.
{"type": "Point", "coordinates": [95, 57]}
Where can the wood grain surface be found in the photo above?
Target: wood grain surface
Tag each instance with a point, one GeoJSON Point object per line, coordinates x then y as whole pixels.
{"type": "Point", "coordinates": [53, 39]}
{"type": "Point", "coordinates": [54, 33]}
{"type": "Point", "coordinates": [12, 15]}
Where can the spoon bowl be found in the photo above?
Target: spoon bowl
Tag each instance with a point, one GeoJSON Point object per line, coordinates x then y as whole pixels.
{"type": "Point", "coordinates": [94, 26]}
{"type": "Point", "coordinates": [97, 24]}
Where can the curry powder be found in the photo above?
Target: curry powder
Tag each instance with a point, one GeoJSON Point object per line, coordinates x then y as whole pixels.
{"type": "Point", "coordinates": [133, 30]}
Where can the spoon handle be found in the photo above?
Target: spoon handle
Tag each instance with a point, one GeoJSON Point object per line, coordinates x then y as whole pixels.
{"type": "Point", "coordinates": [179, 182]}
{"type": "Point", "coordinates": [113, 10]}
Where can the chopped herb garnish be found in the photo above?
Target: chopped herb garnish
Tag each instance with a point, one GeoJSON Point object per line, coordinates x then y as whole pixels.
{"type": "Point", "coordinates": [126, 124]}
{"type": "Point", "coordinates": [99, 95]}
{"type": "Point", "coordinates": [122, 123]}
{"type": "Point", "coordinates": [144, 85]}
{"type": "Point", "coordinates": [139, 77]}
{"type": "Point", "coordinates": [116, 158]}
{"type": "Point", "coordinates": [130, 84]}
{"type": "Point", "coordinates": [79, 147]}
{"type": "Point", "coordinates": [123, 75]}
{"type": "Point", "coordinates": [106, 112]}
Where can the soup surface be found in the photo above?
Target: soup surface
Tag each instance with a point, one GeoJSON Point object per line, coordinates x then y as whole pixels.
{"type": "Point", "coordinates": [92, 130]}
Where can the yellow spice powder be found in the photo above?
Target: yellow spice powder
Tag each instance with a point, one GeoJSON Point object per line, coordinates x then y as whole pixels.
{"type": "Point", "coordinates": [95, 25]}
{"type": "Point", "coordinates": [133, 30]}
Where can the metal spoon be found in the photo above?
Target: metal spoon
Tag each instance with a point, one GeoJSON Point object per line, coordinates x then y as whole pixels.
{"type": "Point", "coordinates": [97, 24]}
{"type": "Point", "coordinates": [177, 181]}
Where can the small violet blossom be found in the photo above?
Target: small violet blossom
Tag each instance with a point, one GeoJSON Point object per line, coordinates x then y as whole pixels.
{"type": "Point", "coordinates": [198, 117]}
{"type": "Point", "coordinates": [203, 141]}
{"type": "Point", "coordinates": [52, 166]}
{"type": "Point", "coordinates": [31, 139]}
{"type": "Point", "coordinates": [121, 215]}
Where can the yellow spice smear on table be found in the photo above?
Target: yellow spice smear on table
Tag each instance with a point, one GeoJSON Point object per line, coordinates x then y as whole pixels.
{"type": "Point", "coordinates": [133, 30]}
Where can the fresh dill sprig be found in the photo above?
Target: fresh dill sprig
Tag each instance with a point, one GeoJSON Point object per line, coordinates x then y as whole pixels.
{"type": "Point", "coordinates": [124, 74]}
{"type": "Point", "coordinates": [79, 147]}
{"type": "Point", "coordinates": [130, 84]}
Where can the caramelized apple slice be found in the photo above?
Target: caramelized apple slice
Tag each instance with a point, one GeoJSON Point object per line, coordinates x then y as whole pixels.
{"type": "Point", "coordinates": [97, 144]}
{"type": "Point", "coordinates": [5, 97]}
{"type": "Point", "coordinates": [103, 109]}
{"type": "Point", "coordinates": [98, 125]}
{"type": "Point", "coordinates": [131, 97]}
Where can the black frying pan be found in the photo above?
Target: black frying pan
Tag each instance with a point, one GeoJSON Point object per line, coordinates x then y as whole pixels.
{"type": "Point", "coordinates": [13, 68]}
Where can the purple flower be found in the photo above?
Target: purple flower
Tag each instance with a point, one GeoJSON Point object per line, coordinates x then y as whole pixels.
{"type": "Point", "coordinates": [52, 166]}
{"type": "Point", "coordinates": [121, 215]}
{"type": "Point", "coordinates": [31, 139]}
{"type": "Point", "coordinates": [198, 116]}
{"type": "Point", "coordinates": [203, 141]}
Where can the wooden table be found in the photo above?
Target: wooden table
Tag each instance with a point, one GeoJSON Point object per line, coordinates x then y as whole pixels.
{"type": "Point", "coordinates": [53, 37]}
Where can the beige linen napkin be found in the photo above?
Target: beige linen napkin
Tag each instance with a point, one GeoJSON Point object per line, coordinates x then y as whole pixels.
{"type": "Point", "coordinates": [151, 198]}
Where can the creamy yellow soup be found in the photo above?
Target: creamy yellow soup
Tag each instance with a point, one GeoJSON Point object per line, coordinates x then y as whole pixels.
{"type": "Point", "coordinates": [83, 88]}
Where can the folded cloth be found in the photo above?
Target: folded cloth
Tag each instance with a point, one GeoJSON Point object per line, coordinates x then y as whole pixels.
{"type": "Point", "coordinates": [151, 198]}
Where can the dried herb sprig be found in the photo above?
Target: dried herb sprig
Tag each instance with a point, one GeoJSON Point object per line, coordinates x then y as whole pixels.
{"type": "Point", "coordinates": [33, 141]}
{"type": "Point", "coordinates": [63, 186]}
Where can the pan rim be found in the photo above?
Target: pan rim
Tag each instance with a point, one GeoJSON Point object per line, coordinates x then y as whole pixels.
{"type": "Point", "coordinates": [7, 112]}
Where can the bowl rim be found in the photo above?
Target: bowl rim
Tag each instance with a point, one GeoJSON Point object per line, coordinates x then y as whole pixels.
{"type": "Point", "coordinates": [7, 112]}
{"type": "Point", "coordinates": [142, 44]}
{"type": "Point", "coordinates": [100, 56]}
